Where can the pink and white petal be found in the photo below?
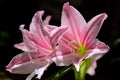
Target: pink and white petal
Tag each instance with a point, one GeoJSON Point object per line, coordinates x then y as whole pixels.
{"type": "Point", "coordinates": [41, 70]}
{"type": "Point", "coordinates": [31, 76]}
{"type": "Point", "coordinates": [67, 42]}
{"type": "Point", "coordinates": [25, 63]}
{"type": "Point", "coordinates": [97, 48]}
{"type": "Point", "coordinates": [94, 26]}
{"type": "Point", "coordinates": [37, 16]}
{"type": "Point", "coordinates": [21, 46]}
{"type": "Point", "coordinates": [91, 70]}
{"type": "Point", "coordinates": [96, 44]}
{"type": "Point", "coordinates": [62, 59]}
{"type": "Point", "coordinates": [32, 41]}
{"type": "Point", "coordinates": [64, 46]}
{"type": "Point", "coordinates": [25, 37]}
{"type": "Point", "coordinates": [94, 58]}
{"type": "Point", "coordinates": [56, 34]}
{"type": "Point", "coordinates": [39, 26]}
{"type": "Point", "coordinates": [35, 41]}
{"type": "Point", "coordinates": [68, 36]}
{"type": "Point", "coordinates": [72, 18]}
{"type": "Point", "coordinates": [93, 66]}
{"type": "Point", "coordinates": [49, 28]}
{"type": "Point", "coordinates": [98, 52]}
{"type": "Point", "coordinates": [47, 20]}
{"type": "Point", "coordinates": [77, 61]}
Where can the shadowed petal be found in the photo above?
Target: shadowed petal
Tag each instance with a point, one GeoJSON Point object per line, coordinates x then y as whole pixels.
{"type": "Point", "coordinates": [39, 72]}
{"type": "Point", "coordinates": [91, 70]}
{"type": "Point", "coordinates": [31, 76]}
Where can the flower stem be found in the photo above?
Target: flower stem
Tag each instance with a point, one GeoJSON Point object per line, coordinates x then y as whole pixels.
{"type": "Point", "coordinates": [85, 64]}
{"type": "Point", "coordinates": [78, 75]}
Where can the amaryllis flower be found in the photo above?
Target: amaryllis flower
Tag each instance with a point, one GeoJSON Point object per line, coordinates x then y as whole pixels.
{"type": "Point", "coordinates": [79, 43]}
{"type": "Point", "coordinates": [39, 46]}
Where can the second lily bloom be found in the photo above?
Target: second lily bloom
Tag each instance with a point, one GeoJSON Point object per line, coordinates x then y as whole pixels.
{"type": "Point", "coordinates": [39, 46]}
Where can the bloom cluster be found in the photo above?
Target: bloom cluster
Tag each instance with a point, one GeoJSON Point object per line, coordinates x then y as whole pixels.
{"type": "Point", "coordinates": [74, 42]}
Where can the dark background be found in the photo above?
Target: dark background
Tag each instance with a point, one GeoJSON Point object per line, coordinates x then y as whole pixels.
{"type": "Point", "coordinates": [16, 12]}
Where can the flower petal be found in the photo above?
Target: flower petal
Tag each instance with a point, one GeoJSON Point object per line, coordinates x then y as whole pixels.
{"type": "Point", "coordinates": [32, 41]}
{"type": "Point", "coordinates": [56, 34]}
{"type": "Point", "coordinates": [77, 62]}
{"type": "Point", "coordinates": [97, 48]}
{"type": "Point", "coordinates": [47, 20]}
{"type": "Point", "coordinates": [62, 59]}
{"type": "Point", "coordinates": [72, 18]}
{"type": "Point", "coordinates": [37, 26]}
{"type": "Point", "coordinates": [37, 16]}
{"type": "Point", "coordinates": [31, 76]}
{"type": "Point", "coordinates": [49, 28]}
{"type": "Point", "coordinates": [64, 46]}
{"type": "Point", "coordinates": [21, 46]}
{"type": "Point", "coordinates": [40, 71]}
{"type": "Point", "coordinates": [91, 70]}
{"type": "Point", "coordinates": [27, 62]}
{"type": "Point", "coordinates": [94, 26]}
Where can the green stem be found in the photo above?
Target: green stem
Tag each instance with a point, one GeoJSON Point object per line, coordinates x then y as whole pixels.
{"type": "Point", "coordinates": [60, 73]}
{"type": "Point", "coordinates": [85, 64]}
{"type": "Point", "coordinates": [78, 75]}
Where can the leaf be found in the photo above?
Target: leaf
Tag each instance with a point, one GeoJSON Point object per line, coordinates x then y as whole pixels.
{"type": "Point", "coordinates": [60, 73]}
{"type": "Point", "coordinates": [116, 42]}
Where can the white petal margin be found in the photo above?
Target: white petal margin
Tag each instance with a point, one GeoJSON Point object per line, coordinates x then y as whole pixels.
{"type": "Point", "coordinates": [76, 62]}
{"type": "Point", "coordinates": [62, 59]}
{"type": "Point", "coordinates": [91, 70]}
{"type": "Point", "coordinates": [39, 72]}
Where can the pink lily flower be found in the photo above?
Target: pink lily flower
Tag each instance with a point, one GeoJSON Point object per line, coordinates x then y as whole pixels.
{"type": "Point", "coordinates": [39, 46]}
{"type": "Point", "coordinates": [79, 42]}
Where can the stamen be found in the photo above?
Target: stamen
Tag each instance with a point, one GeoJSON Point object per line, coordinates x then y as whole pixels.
{"type": "Point", "coordinates": [72, 44]}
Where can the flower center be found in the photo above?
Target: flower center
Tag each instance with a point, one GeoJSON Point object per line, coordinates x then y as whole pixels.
{"type": "Point", "coordinates": [81, 50]}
